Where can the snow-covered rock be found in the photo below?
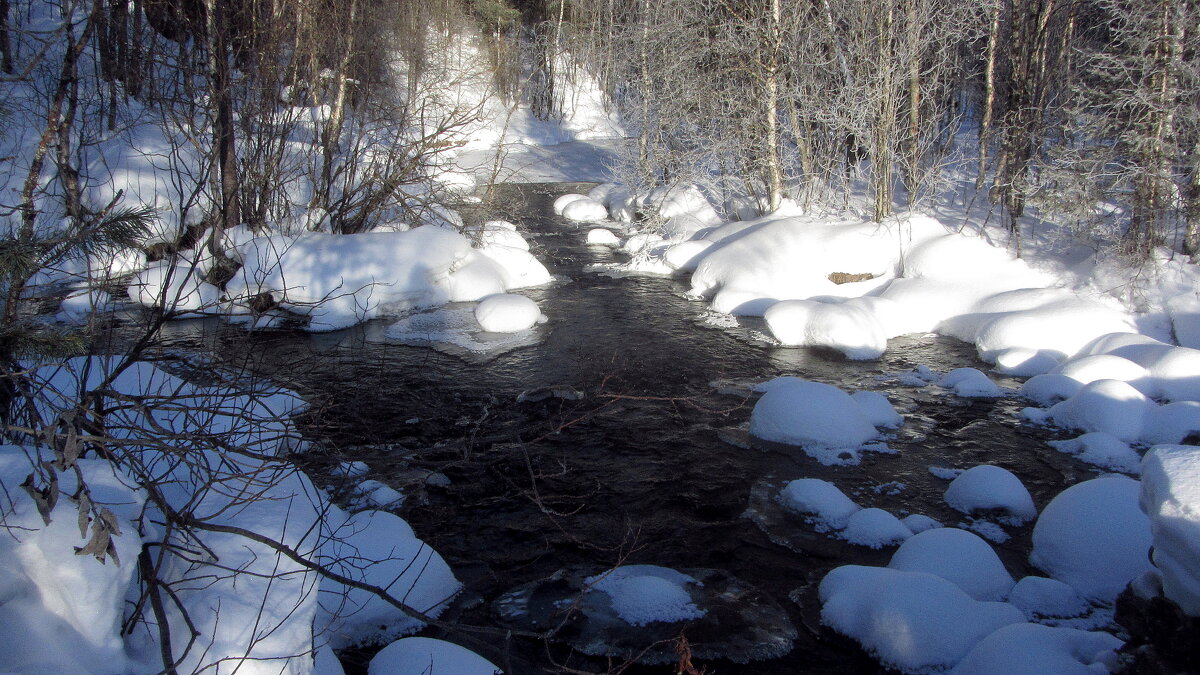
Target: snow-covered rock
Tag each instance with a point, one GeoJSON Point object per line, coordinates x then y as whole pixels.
{"type": "Point", "coordinates": [991, 488]}
{"type": "Point", "coordinates": [1094, 536]}
{"type": "Point", "coordinates": [566, 200]}
{"type": "Point", "coordinates": [1033, 649]}
{"type": "Point", "coordinates": [1111, 406]}
{"type": "Point", "coordinates": [507, 313]}
{"type": "Point", "coordinates": [875, 528]}
{"type": "Point", "coordinates": [820, 417]}
{"type": "Point", "coordinates": [585, 210]}
{"type": "Point", "coordinates": [911, 621]}
{"type": "Point", "coordinates": [970, 383]}
{"type": "Point", "coordinates": [957, 556]}
{"type": "Point", "coordinates": [642, 594]}
{"type": "Point", "coordinates": [847, 327]}
{"type": "Point", "coordinates": [428, 656]}
{"type": "Point", "coordinates": [378, 548]}
{"type": "Point", "coordinates": [1102, 450]}
{"type": "Point", "coordinates": [1171, 498]}
{"type": "Point", "coordinates": [1041, 597]}
{"type": "Point", "coordinates": [828, 506]}
{"type": "Point", "coordinates": [601, 237]}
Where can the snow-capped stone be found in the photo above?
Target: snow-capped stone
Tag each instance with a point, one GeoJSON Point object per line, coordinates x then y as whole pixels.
{"type": "Point", "coordinates": [428, 656]}
{"type": "Point", "coordinates": [1102, 450]}
{"type": "Point", "coordinates": [875, 528]}
{"type": "Point", "coordinates": [507, 313]}
{"type": "Point", "coordinates": [600, 236]}
{"type": "Point", "coordinates": [1033, 649]}
{"type": "Point", "coordinates": [957, 556]}
{"type": "Point", "coordinates": [1094, 537]}
{"type": "Point", "coordinates": [1041, 597]}
{"type": "Point", "coordinates": [829, 507]}
{"type": "Point", "coordinates": [970, 383]}
{"type": "Point", "coordinates": [585, 210]}
{"type": "Point", "coordinates": [987, 488]}
{"type": "Point", "coordinates": [1171, 497]}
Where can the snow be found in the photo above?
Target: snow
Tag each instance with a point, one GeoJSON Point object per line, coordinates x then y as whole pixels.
{"type": "Point", "coordinates": [1032, 649]}
{"type": "Point", "coordinates": [919, 522]}
{"type": "Point", "coordinates": [957, 556]}
{"type": "Point", "coordinates": [642, 594]}
{"type": "Point", "coordinates": [379, 549]}
{"type": "Point", "coordinates": [507, 313]}
{"type": "Point", "coordinates": [988, 488]}
{"type": "Point", "coordinates": [911, 621]}
{"type": "Point", "coordinates": [1041, 597]}
{"type": "Point", "coordinates": [49, 598]}
{"type": "Point", "coordinates": [1094, 536]}
{"type": "Point", "coordinates": [585, 210]}
{"type": "Point", "coordinates": [1171, 498]}
{"type": "Point", "coordinates": [878, 409]}
{"type": "Point", "coordinates": [875, 528]}
{"type": "Point", "coordinates": [567, 199]}
{"type": "Point", "coordinates": [176, 288]}
{"type": "Point", "coordinates": [820, 417]}
{"type": "Point", "coordinates": [849, 328]}
{"type": "Point", "coordinates": [338, 281]}
{"type": "Point", "coordinates": [829, 507]}
{"type": "Point", "coordinates": [970, 383]}
{"type": "Point", "coordinates": [1024, 362]}
{"type": "Point", "coordinates": [427, 656]}
{"type": "Point", "coordinates": [602, 237]}
{"type": "Point", "coordinates": [1102, 450]}
{"type": "Point", "coordinates": [1111, 406]}
{"type": "Point", "coordinates": [80, 305]}
{"type": "Point", "coordinates": [1090, 368]}
{"type": "Point", "coordinates": [1050, 388]}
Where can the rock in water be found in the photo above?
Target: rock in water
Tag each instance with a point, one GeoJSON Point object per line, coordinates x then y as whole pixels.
{"type": "Point", "coordinates": [601, 614]}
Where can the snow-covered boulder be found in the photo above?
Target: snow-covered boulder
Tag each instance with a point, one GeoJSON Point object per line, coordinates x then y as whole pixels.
{"type": "Point", "coordinates": [910, 621]}
{"type": "Point", "coordinates": [849, 328]}
{"type": "Point", "coordinates": [1041, 597]}
{"type": "Point", "coordinates": [957, 556]}
{"type": "Point", "coordinates": [875, 528]}
{"type": "Point", "coordinates": [585, 210]}
{"type": "Point", "coordinates": [1111, 406]}
{"type": "Point", "coordinates": [820, 417]}
{"type": "Point", "coordinates": [1033, 649]}
{"type": "Point", "coordinates": [378, 548]}
{"type": "Point", "coordinates": [828, 507]}
{"type": "Point", "coordinates": [1094, 536]}
{"type": "Point", "coordinates": [970, 383]}
{"type": "Point", "coordinates": [991, 488]}
{"type": "Point", "coordinates": [175, 287]}
{"type": "Point", "coordinates": [1171, 498]}
{"type": "Point", "coordinates": [1103, 450]}
{"type": "Point", "coordinates": [600, 236]}
{"type": "Point", "coordinates": [507, 313]}
{"type": "Point", "coordinates": [428, 656]}
{"type": "Point", "coordinates": [566, 200]}
{"type": "Point", "coordinates": [642, 594]}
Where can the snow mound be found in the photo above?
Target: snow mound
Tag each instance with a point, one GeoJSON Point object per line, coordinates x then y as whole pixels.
{"type": "Point", "coordinates": [427, 656]}
{"type": "Point", "coordinates": [956, 556]}
{"type": "Point", "coordinates": [1171, 498]}
{"type": "Point", "coordinates": [1111, 406]}
{"type": "Point", "coordinates": [1094, 537]}
{"type": "Point", "coordinates": [602, 237]}
{"type": "Point", "coordinates": [919, 523]}
{"type": "Point", "coordinates": [378, 548]}
{"type": "Point", "coordinates": [875, 528]}
{"type": "Point", "coordinates": [1041, 597]}
{"type": "Point", "coordinates": [642, 594]}
{"type": "Point", "coordinates": [1102, 450]}
{"type": "Point", "coordinates": [1050, 388]}
{"type": "Point", "coordinates": [566, 200]}
{"type": "Point", "coordinates": [1064, 327]}
{"type": "Point", "coordinates": [52, 599]}
{"type": "Point", "coordinates": [1092, 367]}
{"type": "Point", "coordinates": [830, 508]}
{"type": "Point", "coordinates": [1032, 649]}
{"type": "Point", "coordinates": [989, 488]}
{"type": "Point", "coordinates": [454, 329]}
{"type": "Point", "coordinates": [78, 306]}
{"type": "Point", "coordinates": [820, 417]}
{"type": "Point", "coordinates": [1171, 423]}
{"type": "Point", "coordinates": [911, 621]}
{"type": "Point", "coordinates": [970, 383]}
{"type": "Point", "coordinates": [956, 257]}
{"type": "Point", "coordinates": [847, 327]}
{"type": "Point", "coordinates": [176, 287]}
{"type": "Point", "coordinates": [585, 210]}
{"type": "Point", "coordinates": [507, 313]}
{"type": "Point", "coordinates": [1025, 362]}
{"type": "Point", "coordinates": [878, 409]}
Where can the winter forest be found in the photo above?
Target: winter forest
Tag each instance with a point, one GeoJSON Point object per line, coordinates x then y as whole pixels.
{"type": "Point", "coordinates": [599, 336]}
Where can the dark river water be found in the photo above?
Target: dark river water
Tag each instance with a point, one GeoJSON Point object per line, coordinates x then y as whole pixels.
{"type": "Point", "coordinates": [652, 465]}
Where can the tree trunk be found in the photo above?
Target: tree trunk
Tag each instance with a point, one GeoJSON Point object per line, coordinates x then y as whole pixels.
{"type": "Point", "coordinates": [223, 130]}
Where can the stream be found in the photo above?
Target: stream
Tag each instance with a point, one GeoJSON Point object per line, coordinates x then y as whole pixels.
{"type": "Point", "coordinates": [652, 465]}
